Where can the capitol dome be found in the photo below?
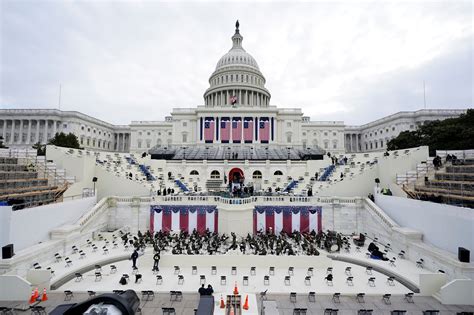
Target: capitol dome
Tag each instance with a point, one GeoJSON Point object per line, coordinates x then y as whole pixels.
{"type": "Point", "coordinates": [237, 79]}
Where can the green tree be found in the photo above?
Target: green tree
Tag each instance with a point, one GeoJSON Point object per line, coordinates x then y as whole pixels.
{"type": "Point", "coordinates": [40, 149]}
{"type": "Point", "coordinates": [1, 143]}
{"type": "Point", "coordinates": [65, 140]}
{"type": "Point", "coordinates": [449, 134]}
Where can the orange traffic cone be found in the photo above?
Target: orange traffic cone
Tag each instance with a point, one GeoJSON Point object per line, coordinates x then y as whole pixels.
{"type": "Point", "coordinates": [32, 298]}
{"type": "Point", "coordinates": [246, 304]}
{"type": "Point", "coordinates": [36, 294]}
{"type": "Point", "coordinates": [44, 297]}
{"type": "Point", "coordinates": [222, 302]}
{"type": "Point", "coordinates": [236, 291]}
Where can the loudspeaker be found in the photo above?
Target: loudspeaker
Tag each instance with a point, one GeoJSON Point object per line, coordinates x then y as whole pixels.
{"type": "Point", "coordinates": [94, 179]}
{"type": "Point", "coordinates": [464, 255]}
{"type": "Point", "coordinates": [7, 251]}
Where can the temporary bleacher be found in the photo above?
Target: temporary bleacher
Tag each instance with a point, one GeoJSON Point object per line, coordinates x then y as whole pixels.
{"type": "Point", "coordinates": [451, 184]}
{"type": "Point", "coordinates": [27, 180]}
{"type": "Point", "coordinates": [327, 172]}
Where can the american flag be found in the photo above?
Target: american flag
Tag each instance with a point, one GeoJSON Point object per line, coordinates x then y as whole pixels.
{"type": "Point", "coordinates": [236, 130]}
{"type": "Point", "coordinates": [209, 130]}
{"type": "Point", "coordinates": [264, 131]}
{"type": "Point", "coordinates": [225, 130]}
{"type": "Point", "coordinates": [248, 130]}
{"type": "Point", "coordinates": [233, 99]}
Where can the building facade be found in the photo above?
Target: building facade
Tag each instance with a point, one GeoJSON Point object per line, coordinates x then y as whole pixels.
{"type": "Point", "coordinates": [236, 112]}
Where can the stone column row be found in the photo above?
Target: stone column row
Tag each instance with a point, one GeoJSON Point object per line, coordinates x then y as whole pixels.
{"type": "Point", "coordinates": [244, 97]}
{"type": "Point", "coordinates": [20, 123]}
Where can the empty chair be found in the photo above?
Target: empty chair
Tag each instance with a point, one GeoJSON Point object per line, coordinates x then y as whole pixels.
{"type": "Point", "coordinates": [348, 271]}
{"type": "Point", "coordinates": [307, 280]}
{"type": "Point", "coordinates": [330, 311]}
{"type": "Point", "coordinates": [159, 279]}
{"type": "Point", "coordinates": [358, 249]}
{"type": "Point", "coordinates": [168, 311]}
{"type": "Point", "coordinates": [180, 279]}
{"type": "Point", "coordinates": [78, 276]}
{"type": "Point", "coordinates": [364, 312]}
{"type": "Point", "coordinates": [202, 279]}
{"type": "Point", "coordinates": [368, 270]}
{"type": "Point", "coordinates": [329, 270]}
{"type": "Point", "coordinates": [36, 266]}
{"type": "Point", "coordinates": [253, 271]}
{"type": "Point", "coordinates": [312, 296]}
{"type": "Point", "coordinates": [68, 295]}
{"type": "Point", "coordinates": [287, 280]}
{"type": "Point", "coordinates": [36, 309]}
{"type": "Point", "coordinates": [401, 254]}
{"type": "Point", "coordinates": [194, 270]}
{"type": "Point", "coordinates": [176, 270]}
{"type": "Point", "coordinates": [310, 271]}
{"type": "Point", "coordinates": [74, 249]}
{"type": "Point", "coordinates": [390, 281]}
{"type": "Point", "coordinates": [431, 312]}
{"type": "Point", "coordinates": [57, 257]}
{"type": "Point", "coordinates": [233, 270]}
{"type": "Point", "coordinates": [98, 268]}
{"type": "Point", "coordinates": [409, 297]}
{"type": "Point", "coordinates": [291, 271]}
{"type": "Point", "coordinates": [398, 312]}
{"type": "Point", "coordinates": [360, 297]}
{"type": "Point", "coordinates": [245, 280]}
{"type": "Point", "coordinates": [386, 298]}
{"type": "Point", "coordinates": [176, 296]}
{"type": "Point", "coordinates": [349, 281]}
{"type": "Point", "coordinates": [91, 293]}
{"type": "Point", "coordinates": [98, 276]}
{"type": "Point", "coordinates": [106, 250]}
{"type": "Point", "coordinates": [223, 280]}
{"type": "Point", "coordinates": [113, 269]}
{"type": "Point", "coordinates": [266, 280]}
{"type": "Point", "coordinates": [271, 271]}
{"type": "Point", "coordinates": [82, 255]}
{"type": "Point", "coordinates": [213, 270]}
{"type": "Point", "coordinates": [148, 295]}
{"type": "Point", "coordinates": [115, 245]}
{"type": "Point", "coordinates": [94, 248]}
{"type": "Point", "coordinates": [68, 262]}
{"type": "Point", "coordinates": [293, 297]}
{"type": "Point", "coordinates": [392, 262]}
{"type": "Point", "coordinates": [336, 297]}
{"type": "Point", "coordinates": [52, 271]}
{"type": "Point", "coordinates": [371, 281]}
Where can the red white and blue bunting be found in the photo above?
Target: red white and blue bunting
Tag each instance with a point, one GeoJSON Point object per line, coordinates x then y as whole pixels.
{"type": "Point", "coordinates": [287, 219]}
{"type": "Point", "coordinates": [183, 218]}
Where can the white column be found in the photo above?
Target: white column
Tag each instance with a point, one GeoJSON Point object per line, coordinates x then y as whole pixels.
{"type": "Point", "coordinates": [20, 134]}
{"type": "Point", "coordinates": [37, 130]}
{"type": "Point", "coordinates": [12, 135]}
{"type": "Point", "coordinates": [55, 122]}
{"type": "Point", "coordinates": [28, 136]}
{"type": "Point", "coordinates": [45, 138]}
{"type": "Point", "coordinates": [4, 131]}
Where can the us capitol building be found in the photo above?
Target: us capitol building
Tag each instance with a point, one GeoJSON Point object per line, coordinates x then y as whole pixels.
{"type": "Point", "coordinates": [237, 112]}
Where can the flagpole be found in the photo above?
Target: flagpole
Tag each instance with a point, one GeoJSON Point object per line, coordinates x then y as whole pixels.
{"type": "Point", "coordinates": [424, 94]}
{"type": "Point", "coordinates": [59, 102]}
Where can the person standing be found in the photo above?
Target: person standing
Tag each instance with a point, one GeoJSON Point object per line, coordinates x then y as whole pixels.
{"type": "Point", "coordinates": [156, 260]}
{"type": "Point", "coordinates": [134, 258]}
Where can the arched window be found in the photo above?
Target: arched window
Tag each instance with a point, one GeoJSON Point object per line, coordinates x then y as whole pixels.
{"type": "Point", "coordinates": [257, 174]}
{"type": "Point", "coordinates": [215, 174]}
{"type": "Point", "coordinates": [194, 172]}
{"type": "Point", "coordinates": [278, 173]}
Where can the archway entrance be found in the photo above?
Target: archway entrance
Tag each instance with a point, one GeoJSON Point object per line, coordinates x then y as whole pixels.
{"type": "Point", "coordinates": [236, 178]}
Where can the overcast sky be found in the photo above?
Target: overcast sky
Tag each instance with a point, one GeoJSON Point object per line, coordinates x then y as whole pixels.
{"type": "Point", "coordinates": [136, 60]}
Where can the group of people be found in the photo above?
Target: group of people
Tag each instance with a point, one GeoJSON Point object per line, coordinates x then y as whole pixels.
{"type": "Point", "coordinates": [165, 191]}
{"type": "Point", "coordinates": [211, 243]}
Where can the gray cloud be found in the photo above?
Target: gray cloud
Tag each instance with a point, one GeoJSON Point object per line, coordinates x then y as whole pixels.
{"type": "Point", "coordinates": [123, 61]}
